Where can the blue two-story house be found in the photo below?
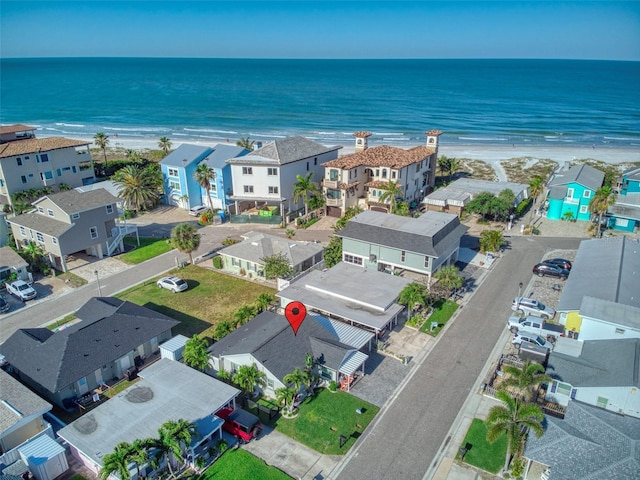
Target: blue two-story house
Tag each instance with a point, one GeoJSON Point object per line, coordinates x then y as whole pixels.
{"type": "Point", "coordinates": [570, 192]}
{"type": "Point", "coordinates": [179, 167]}
{"type": "Point", "coordinates": [625, 213]}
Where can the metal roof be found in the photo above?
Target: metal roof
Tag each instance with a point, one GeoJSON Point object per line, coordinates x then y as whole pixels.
{"type": "Point", "coordinates": [40, 450]}
{"type": "Point", "coordinates": [352, 362]}
{"type": "Point", "coordinates": [462, 190]}
{"type": "Point", "coordinates": [175, 343]}
{"type": "Point", "coordinates": [347, 334]}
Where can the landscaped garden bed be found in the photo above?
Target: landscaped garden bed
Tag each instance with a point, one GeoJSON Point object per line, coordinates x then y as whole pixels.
{"type": "Point", "coordinates": [322, 419]}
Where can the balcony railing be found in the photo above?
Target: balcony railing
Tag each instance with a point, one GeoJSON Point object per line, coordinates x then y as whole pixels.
{"type": "Point", "coordinates": [331, 183]}
{"type": "Point", "coordinates": [334, 202]}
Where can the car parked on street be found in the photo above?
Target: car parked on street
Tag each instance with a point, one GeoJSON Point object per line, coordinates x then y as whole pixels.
{"type": "Point", "coordinates": [22, 290]}
{"type": "Point", "coordinates": [520, 338]}
{"type": "Point", "coordinates": [197, 211]}
{"type": "Point", "coordinates": [174, 284]}
{"type": "Point", "coordinates": [560, 262]}
{"type": "Point", "coordinates": [550, 270]}
{"type": "Point", "coordinates": [530, 306]}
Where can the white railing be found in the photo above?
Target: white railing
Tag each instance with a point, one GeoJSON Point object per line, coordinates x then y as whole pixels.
{"type": "Point", "coordinates": [334, 202]}
{"type": "Point", "coordinates": [331, 183]}
{"type": "Point", "coordinates": [123, 230]}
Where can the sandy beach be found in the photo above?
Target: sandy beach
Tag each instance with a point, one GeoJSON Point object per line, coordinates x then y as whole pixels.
{"type": "Point", "coordinates": [490, 154]}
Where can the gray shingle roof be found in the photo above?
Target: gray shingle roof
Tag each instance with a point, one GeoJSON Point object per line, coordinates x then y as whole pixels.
{"type": "Point", "coordinates": [17, 402]}
{"type": "Point", "coordinates": [626, 206]}
{"type": "Point", "coordinates": [9, 258]}
{"type": "Point", "coordinates": [286, 150]}
{"type": "Point", "coordinates": [605, 268]}
{"type": "Point", "coordinates": [185, 155]}
{"type": "Point", "coordinates": [602, 363]}
{"type": "Point", "coordinates": [584, 175]}
{"type": "Point", "coordinates": [270, 339]}
{"type": "Point", "coordinates": [74, 201]}
{"type": "Point", "coordinates": [110, 328]}
{"type": "Point", "coordinates": [431, 234]}
{"type": "Point", "coordinates": [257, 246]}
{"type": "Point", "coordinates": [41, 223]}
{"type": "Point", "coordinates": [589, 443]}
{"type": "Point", "coordinates": [618, 313]}
{"type": "Point", "coordinates": [222, 153]}
{"type": "Point", "coordinates": [632, 173]}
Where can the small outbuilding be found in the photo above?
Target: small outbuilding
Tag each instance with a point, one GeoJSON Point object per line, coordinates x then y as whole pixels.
{"type": "Point", "coordinates": [45, 458]}
{"type": "Point", "coordinates": [173, 348]}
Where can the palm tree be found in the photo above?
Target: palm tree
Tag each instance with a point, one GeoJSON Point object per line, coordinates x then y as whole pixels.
{"type": "Point", "coordinates": [304, 188]}
{"type": "Point", "coordinates": [412, 295]}
{"type": "Point", "coordinates": [244, 314]}
{"type": "Point", "coordinates": [454, 165]}
{"type": "Point", "coordinates": [204, 175]}
{"type": "Point", "coordinates": [389, 193]}
{"type": "Point", "coordinates": [102, 141]}
{"type": "Point", "coordinates": [491, 240]}
{"type": "Point", "coordinates": [133, 155]}
{"type": "Point", "coordinates": [185, 238]}
{"type": "Point", "coordinates": [449, 277]}
{"type": "Point", "coordinates": [117, 462]}
{"type": "Point", "coordinates": [297, 378]}
{"type": "Point", "coordinates": [512, 418]}
{"type": "Point", "coordinates": [247, 377]}
{"type": "Point", "coordinates": [600, 203]}
{"type": "Point", "coordinates": [264, 301]}
{"type": "Point", "coordinates": [165, 145]}
{"type": "Point", "coordinates": [526, 379]}
{"type": "Point", "coordinates": [139, 453]}
{"type": "Point", "coordinates": [195, 353]}
{"type": "Point", "coordinates": [286, 397]}
{"type": "Point", "coordinates": [175, 437]}
{"type": "Point", "coordinates": [138, 188]}
{"type": "Point", "coordinates": [443, 164]}
{"type": "Point", "coordinates": [245, 143]}
{"type": "Point", "coordinates": [536, 186]}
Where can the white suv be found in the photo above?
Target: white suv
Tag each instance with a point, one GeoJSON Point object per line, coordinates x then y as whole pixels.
{"type": "Point", "coordinates": [531, 306]}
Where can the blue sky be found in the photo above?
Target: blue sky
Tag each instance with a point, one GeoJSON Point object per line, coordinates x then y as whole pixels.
{"type": "Point", "coordinates": [605, 30]}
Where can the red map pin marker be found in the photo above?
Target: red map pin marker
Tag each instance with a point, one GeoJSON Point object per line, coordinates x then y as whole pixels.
{"type": "Point", "coordinates": [295, 313]}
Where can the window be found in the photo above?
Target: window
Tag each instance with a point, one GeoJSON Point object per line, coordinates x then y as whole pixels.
{"type": "Point", "coordinates": [54, 240]}
{"type": "Point", "coordinates": [307, 166]}
{"type": "Point", "coordinates": [46, 175]}
{"type": "Point", "coordinates": [426, 262]}
{"type": "Point", "coordinates": [23, 232]}
{"type": "Point", "coordinates": [384, 173]}
{"type": "Point", "coordinates": [620, 331]}
{"type": "Point", "coordinates": [270, 384]}
{"type": "Point", "coordinates": [333, 194]}
{"type": "Point", "coordinates": [73, 169]}
{"type": "Point", "coordinates": [351, 259]}
{"type": "Point", "coordinates": [19, 160]}
{"type": "Point", "coordinates": [40, 209]}
{"type": "Point", "coordinates": [602, 402]}
{"type": "Point", "coordinates": [417, 167]}
{"type": "Point", "coordinates": [213, 187]}
{"type": "Point", "coordinates": [622, 222]}
{"type": "Point", "coordinates": [23, 178]}
{"type": "Point", "coordinates": [377, 172]}
{"type": "Point", "coordinates": [569, 192]}
{"type": "Point", "coordinates": [584, 208]}
{"type": "Point", "coordinates": [374, 193]}
{"type": "Point", "coordinates": [273, 190]}
{"type": "Point", "coordinates": [109, 209]}
{"type": "Point", "coordinates": [44, 157]}
{"type": "Point", "coordinates": [393, 174]}
{"type": "Point", "coordinates": [247, 170]}
{"type": "Point", "coordinates": [315, 161]}
{"type": "Point", "coordinates": [403, 256]}
{"type": "Point", "coordinates": [248, 189]}
{"type": "Point", "coordinates": [173, 172]}
{"type": "Point", "coordinates": [564, 389]}
{"type": "Point", "coordinates": [75, 216]}
{"type": "Point", "coordinates": [39, 237]}
{"type": "Point", "coordinates": [272, 172]}
{"type": "Point", "coordinates": [334, 174]}
{"type": "Point", "coordinates": [93, 231]}
{"type": "Point", "coordinates": [587, 194]}
{"type": "Point", "coordinates": [173, 185]}
{"type": "Point", "coordinates": [58, 172]}
{"type": "Point", "coordinates": [50, 212]}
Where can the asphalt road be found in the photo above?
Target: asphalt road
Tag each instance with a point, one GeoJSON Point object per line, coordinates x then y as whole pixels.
{"type": "Point", "coordinates": [405, 439]}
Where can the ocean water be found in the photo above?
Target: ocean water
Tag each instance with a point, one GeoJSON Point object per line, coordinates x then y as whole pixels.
{"type": "Point", "coordinates": [498, 102]}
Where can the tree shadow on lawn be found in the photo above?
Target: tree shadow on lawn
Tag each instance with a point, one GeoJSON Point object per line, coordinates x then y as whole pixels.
{"type": "Point", "coordinates": [188, 326]}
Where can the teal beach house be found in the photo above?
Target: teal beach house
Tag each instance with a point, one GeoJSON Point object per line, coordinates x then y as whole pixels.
{"type": "Point", "coordinates": [624, 215]}
{"type": "Point", "coordinates": [570, 192]}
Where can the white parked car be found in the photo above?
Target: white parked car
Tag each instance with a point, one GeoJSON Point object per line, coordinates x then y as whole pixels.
{"type": "Point", "coordinates": [531, 306]}
{"type": "Point", "coordinates": [174, 284]}
{"type": "Point", "coordinates": [197, 211]}
{"type": "Point", "coordinates": [22, 290]}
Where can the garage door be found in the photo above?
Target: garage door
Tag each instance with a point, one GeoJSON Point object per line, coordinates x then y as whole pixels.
{"type": "Point", "coordinates": [334, 212]}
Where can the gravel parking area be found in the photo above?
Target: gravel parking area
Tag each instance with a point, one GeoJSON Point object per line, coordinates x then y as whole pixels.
{"type": "Point", "coordinates": [382, 376]}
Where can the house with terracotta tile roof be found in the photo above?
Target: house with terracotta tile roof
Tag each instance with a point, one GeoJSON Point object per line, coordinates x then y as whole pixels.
{"type": "Point", "coordinates": [27, 162]}
{"type": "Point", "coordinates": [358, 179]}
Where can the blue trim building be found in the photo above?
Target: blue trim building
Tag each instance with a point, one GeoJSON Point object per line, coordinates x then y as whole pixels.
{"type": "Point", "coordinates": [624, 215]}
{"type": "Point", "coordinates": [571, 191]}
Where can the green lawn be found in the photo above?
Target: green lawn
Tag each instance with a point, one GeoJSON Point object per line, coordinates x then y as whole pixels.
{"type": "Point", "coordinates": [443, 311]}
{"type": "Point", "coordinates": [484, 455]}
{"type": "Point", "coordinates": [211, 298]}
{"type": "Point", "coordinates": [149, 248]}
{"type": "Point", "coordinates": [323, 419]}
{"type": "Point", "coordinates": [241, 465]}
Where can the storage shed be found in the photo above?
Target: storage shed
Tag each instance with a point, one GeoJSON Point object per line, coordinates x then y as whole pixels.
{"type": "Point", "coordinates": [45, 458]}
{"type": "Point", "coordinates": [172, 349]}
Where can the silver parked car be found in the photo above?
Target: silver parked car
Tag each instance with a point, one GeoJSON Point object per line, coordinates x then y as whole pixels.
{"type": "Point", "coordinates": [531, 306]}
{"type": "Point", "coordinates": [174, 284]}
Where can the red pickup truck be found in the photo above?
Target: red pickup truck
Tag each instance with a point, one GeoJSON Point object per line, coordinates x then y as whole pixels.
{"type": "Point", "coordinates": [240, 423]}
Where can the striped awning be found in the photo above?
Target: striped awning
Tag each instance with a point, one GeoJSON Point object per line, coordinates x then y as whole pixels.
{"type": "Point", "coordinates": [352, 362]}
